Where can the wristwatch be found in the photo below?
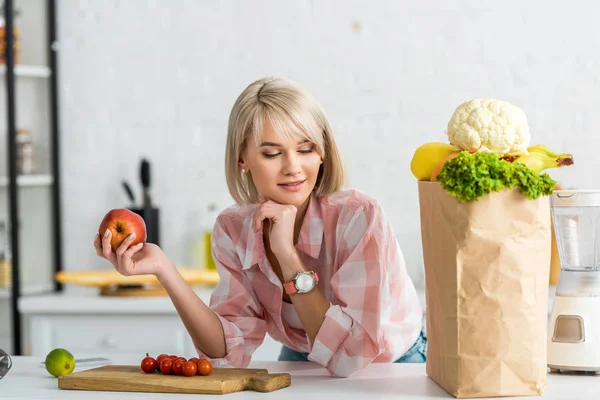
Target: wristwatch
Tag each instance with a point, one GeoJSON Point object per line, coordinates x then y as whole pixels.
{"type": "Point", "coordinates": [303, 282]}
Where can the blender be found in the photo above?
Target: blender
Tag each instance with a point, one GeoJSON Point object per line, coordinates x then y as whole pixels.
{"type": "Point", "coordinates": [574, 326]}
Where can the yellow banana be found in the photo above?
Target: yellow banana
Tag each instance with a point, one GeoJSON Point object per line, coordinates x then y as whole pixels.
{"type": "Point", "coordinates": [427, 157]}
{"type": "Point", "coordinates": [539, 161]}
{"type": "Point", "coordinates": [543, 149]}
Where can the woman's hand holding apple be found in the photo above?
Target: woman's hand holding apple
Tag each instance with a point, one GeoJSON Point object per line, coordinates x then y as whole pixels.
{"type": "Point", "coordinates": [139, 259]}
{"type": "Point", "coordinates": [121, 240]}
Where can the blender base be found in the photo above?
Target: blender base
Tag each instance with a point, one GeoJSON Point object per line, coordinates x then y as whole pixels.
{"type": "Point", "coordinates": [574, 335]}
{"type": "Point", "coordinates": [556, 369]}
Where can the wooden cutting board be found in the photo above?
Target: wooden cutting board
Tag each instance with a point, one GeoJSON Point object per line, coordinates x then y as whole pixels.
{"type": "Point", "coordinates": [109, 281]}
{"type": "Point", "coordinates": [130, 378]}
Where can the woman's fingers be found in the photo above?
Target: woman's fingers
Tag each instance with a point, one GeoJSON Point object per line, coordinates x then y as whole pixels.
{"type": "Point", "coordinates": [121, 262]}
{"type": "Point", "coordinates": [125, 244]}
{"type": "Point", "coordinates": [126, 264]}
{"type": "Point", "coordinates": [106, 247]}
{"type": "Point", "coordinates": [257, 220]}
{"type": "Point", "coordinates": [262, 212]}
{"type": "Point", "coordinates": [97, 245]}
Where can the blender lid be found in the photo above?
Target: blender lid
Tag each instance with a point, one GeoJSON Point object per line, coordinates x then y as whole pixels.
{"type": "Point", "coordinates": [575, 198]}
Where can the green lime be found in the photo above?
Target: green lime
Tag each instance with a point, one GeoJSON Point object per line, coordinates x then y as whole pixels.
{"type": "Point", "coordinates": [60, 362]}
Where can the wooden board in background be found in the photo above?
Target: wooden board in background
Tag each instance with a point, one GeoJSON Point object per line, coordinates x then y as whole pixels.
{"type": "Point", "coordinates": [109, 278]}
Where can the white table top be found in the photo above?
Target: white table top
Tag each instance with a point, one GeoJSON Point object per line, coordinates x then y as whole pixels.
{"type": "Point", "coordinates": [28, 380]}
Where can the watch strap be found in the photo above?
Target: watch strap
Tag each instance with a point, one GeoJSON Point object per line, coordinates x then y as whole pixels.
{"type": "Point", "coordinates": [290, 287]}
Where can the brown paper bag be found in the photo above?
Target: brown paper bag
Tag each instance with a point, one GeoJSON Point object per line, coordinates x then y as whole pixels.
{"type": "Point", "coordinates": [486, 272]}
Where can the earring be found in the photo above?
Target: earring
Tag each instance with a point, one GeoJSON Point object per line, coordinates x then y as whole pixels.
{"type": "Point", "coordinates": [243, 171]}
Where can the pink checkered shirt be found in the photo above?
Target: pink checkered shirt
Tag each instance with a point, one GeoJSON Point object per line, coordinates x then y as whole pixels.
{"type": "Point", "coordinates": [374, 315]}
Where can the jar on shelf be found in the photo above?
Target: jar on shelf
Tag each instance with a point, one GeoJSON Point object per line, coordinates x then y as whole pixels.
{"type": "Point", "coordinates": [25, 152]}
{"type": "Point", "coordinates": [16, 39]}
{"type": "Point", "coordinates": [5, 258]}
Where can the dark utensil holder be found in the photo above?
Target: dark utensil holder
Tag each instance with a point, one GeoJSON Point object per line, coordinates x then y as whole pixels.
{"type": "Point", "coordinates": [152, 224]}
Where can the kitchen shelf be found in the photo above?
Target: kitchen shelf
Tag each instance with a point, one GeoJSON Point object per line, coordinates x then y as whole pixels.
{"type": "Point", "coordinates": [29, 71]}
{"type": "Point", "coordinates": [29, 180]}
{"type": "Point", "coordinates": [33, 201]}
{"type": "Point", "coordinates": [5, 293]}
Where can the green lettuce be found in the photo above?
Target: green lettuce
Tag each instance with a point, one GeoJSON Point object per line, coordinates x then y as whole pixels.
{"type": "Point", "coordinates": [470, 176]}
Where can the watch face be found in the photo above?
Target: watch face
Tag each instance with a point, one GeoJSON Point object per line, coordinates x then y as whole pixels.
{"type": "Point", "coordinates": [305, 282]}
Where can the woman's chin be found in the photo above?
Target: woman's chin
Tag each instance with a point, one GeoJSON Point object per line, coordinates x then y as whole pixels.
{"type": "Point", "coordinates": [294, 199]}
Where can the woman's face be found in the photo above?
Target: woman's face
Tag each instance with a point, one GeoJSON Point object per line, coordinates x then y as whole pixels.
{"type": "Point", "coordinates": [283, 170]}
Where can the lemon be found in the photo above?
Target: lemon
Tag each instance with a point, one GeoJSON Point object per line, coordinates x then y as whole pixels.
{"type": "Point", "coordinates": [60, 362]}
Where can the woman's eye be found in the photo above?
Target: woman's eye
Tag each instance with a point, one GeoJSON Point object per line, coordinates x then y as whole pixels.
{"type": "Point", "coordinates": [306, 151]}
{"type": "Point", "coordinates": [270, 155]}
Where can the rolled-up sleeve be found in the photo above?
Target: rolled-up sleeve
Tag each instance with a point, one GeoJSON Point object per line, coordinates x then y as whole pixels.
{"type": "Point", "coordinates": [234, 302]}
{"type": "Point", "coordinates": [356, 327]}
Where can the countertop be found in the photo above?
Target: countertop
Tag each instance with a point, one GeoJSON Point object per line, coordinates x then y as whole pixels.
{"type": "Point", "coordinates": [27, 380]}
{"type": "Point", "coordinates": [90, 302]}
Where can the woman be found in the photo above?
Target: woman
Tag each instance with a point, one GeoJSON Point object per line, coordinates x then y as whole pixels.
{"type": "Point", "coordinates": [314, 265]}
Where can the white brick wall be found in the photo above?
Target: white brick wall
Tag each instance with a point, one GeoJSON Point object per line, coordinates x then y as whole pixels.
{"type": "Point", "coordinates": [158, 78]}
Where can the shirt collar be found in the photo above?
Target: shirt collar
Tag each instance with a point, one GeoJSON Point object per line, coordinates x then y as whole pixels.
{"type": "Point", "coordinates": [309, 240]}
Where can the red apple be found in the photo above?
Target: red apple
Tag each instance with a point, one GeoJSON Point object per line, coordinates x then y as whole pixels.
{"type": "Point", "coordinates": [122, 222]}
{"type": "Point", "coordinates": [438, 168]}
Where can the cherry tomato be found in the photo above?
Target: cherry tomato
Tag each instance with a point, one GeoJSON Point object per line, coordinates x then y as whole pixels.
{"type": "Point", "coordinates": [194, 359]}
{"type": "Point", "coordinates": [204, 367]}
{"type": "Point", "coordinates": [166, 366]}
{"type": "Point", "coordinates": [159, 358]}
{"type": "Point", "coordinates": [190, 368]}
{"type": "Point", "coordinates": [148, 364]}
{"type": "Point", "coordinates": [178, 366]}
{"type": "Point", "coordinates": [180, 358]}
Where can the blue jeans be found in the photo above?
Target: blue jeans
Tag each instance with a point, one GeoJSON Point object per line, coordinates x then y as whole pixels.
{"type": "Point", "coordinates": [416, 354]}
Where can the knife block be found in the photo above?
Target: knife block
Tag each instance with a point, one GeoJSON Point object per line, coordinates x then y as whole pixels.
{"type": "Point", "coordinates": [152, 223]}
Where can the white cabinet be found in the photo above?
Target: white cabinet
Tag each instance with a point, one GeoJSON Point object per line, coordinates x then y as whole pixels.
{"type": "Point", "coordinates": [109, 335]}
{"type": "Point", "coordinates": [92, 326]}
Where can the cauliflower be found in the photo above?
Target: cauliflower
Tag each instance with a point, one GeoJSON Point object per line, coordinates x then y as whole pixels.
{"type": "Point", "coordinates": [489, 125]}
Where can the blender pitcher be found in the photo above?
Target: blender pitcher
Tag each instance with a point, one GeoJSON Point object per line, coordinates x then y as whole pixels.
{"type": "Point", "coordinates": [574, 329]}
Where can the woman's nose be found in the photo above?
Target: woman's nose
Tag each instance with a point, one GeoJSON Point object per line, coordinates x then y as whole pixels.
{"type": "Point", "coordinates": [291, 165]}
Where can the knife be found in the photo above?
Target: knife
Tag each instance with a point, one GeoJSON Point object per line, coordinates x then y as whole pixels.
{"type": "Point", "coordinates": [129, 192]}
{"type": "Point", "coordinates": [145, 178]}
{"type": "Point", "coordinates": [87, 361]}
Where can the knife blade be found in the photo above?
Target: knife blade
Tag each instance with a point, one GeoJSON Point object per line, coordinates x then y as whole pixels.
{"type": "Point", "coordinates": [129, 192]}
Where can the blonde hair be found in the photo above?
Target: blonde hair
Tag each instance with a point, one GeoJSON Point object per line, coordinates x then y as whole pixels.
{"type": "Point", "coordinates": [291, 112]}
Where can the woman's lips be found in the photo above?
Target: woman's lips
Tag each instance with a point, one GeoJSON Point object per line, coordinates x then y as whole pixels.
{"type": "Point", "coordinates": [292, 187]}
